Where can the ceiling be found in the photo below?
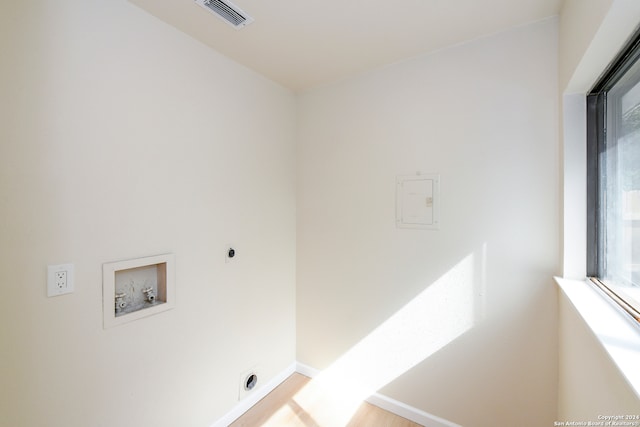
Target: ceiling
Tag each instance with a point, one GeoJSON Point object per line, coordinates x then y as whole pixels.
{"type": "Point", "coordinates": [301, 43]}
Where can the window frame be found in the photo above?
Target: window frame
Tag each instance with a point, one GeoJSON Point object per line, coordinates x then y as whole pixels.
{"type": "Point", "coordinates": [596, 109]}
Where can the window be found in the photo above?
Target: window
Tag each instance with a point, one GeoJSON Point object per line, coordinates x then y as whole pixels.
{"type": "Point", "coordinates": [613, 181]}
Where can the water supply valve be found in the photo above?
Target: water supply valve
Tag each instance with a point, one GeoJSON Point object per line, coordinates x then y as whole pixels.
{"type": "Point", "coordinates": [149, 295]}
{"type": "Point", "coordinates": [120, 302]}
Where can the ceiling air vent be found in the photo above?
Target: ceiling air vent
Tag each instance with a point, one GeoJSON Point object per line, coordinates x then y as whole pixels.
{"type": "Point", "coordinates": [227, 11]}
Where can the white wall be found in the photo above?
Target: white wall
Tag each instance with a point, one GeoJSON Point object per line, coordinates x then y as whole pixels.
{"type": "Point", "coordinates": [121, 137]}
{"type": "Point", "coordinates": [579, 21]}
{"type": "Point", "coordinates": [591, 34]}
{"type": "Point", "coordinates": [590, 384]}
{"type": "Point", "coordinates": [484, 116]}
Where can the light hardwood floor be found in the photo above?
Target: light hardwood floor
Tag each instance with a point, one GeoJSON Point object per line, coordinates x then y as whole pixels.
{"type": "Point", "coordinates": [280, 408]}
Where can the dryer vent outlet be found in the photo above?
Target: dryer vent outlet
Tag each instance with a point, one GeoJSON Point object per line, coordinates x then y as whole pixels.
{"type": "Point", "coordinates": [248, 382]}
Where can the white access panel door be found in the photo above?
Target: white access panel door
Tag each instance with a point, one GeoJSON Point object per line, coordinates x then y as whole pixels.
{"type": "Point", "coordinates": [417, 201]}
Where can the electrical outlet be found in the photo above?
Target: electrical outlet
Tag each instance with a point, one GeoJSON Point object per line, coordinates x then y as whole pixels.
{"type": "Point", "coordinates": [59, 279]}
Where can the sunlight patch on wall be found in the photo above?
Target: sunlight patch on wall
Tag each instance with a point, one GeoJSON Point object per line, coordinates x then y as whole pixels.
{"type": "Point", "coordinates": [440, 314]}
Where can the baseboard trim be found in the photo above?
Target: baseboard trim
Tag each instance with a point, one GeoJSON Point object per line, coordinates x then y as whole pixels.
{"type": "Point", "coordinates": [245, 404]}
{"type": "Point", "coordinates": [409, 412]}
{"type": "Point", "coordinates": [388, 404]}
{"type": "Point", "coordinates": [394, 406]}
{"type": "Point", "coordinates": [306, 370]}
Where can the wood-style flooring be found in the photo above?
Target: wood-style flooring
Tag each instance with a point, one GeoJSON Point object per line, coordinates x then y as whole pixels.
{"type": "Point", "coordinates": [280, 408]}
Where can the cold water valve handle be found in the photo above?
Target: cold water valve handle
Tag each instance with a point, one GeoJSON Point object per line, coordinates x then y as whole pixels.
{"type": "Point", "coordinates": [149, 295]}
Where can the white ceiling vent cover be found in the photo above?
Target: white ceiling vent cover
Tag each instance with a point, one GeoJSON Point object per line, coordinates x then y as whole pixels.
{"type": "Point", "coordinates": [227, 11]}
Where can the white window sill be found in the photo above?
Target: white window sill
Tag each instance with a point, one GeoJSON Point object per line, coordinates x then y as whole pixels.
{"type": "Point", "coordinates": [617, 332]}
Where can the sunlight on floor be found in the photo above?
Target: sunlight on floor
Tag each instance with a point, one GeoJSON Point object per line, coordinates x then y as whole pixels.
{"type": "Point", "coordinates": [294, 415]}
{"type": "Point", "coordinates": [442, 312]}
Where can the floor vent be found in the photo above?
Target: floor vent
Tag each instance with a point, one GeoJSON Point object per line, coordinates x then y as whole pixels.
{"type": "Point", "coordinates": [228, 11]}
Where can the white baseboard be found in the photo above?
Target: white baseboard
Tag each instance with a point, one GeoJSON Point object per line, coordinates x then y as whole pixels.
{"type": "Point", "coordinates": [245, 404]}
{"type": "Point", "coordinates": [395, 407]}
{"type": "Point", "coordinates": [409, 412]}
{"type": "Point", "coordinates": [401, 409]}
{"type": "Point", "coordinates": [306, 370]}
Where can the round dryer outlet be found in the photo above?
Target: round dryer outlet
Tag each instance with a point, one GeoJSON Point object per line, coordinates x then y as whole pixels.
{"type": "Point", "coordinates": [249, 381]}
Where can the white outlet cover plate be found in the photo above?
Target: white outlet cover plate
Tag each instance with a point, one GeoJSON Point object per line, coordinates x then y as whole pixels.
{"type": "Point", "coordinates": [53, 289]}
